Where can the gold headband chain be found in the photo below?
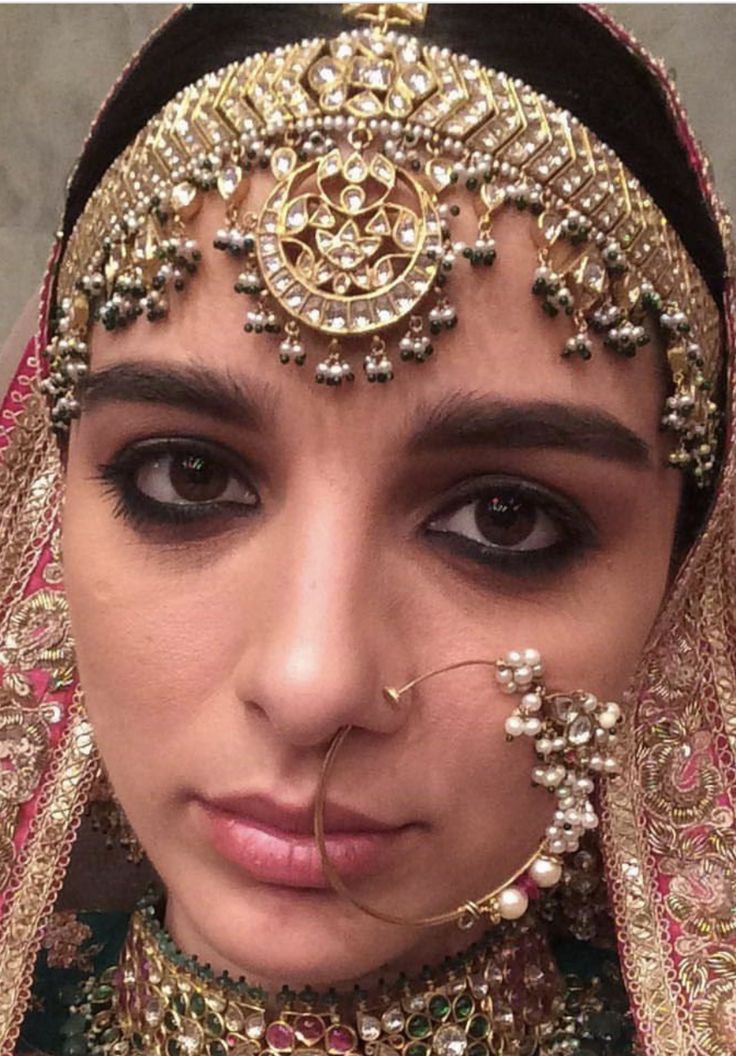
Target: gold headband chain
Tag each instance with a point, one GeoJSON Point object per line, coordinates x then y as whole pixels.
{"type": "Point", "coordinates": [373, 139]}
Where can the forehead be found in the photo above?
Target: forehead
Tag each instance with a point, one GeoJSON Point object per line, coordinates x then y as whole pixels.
{"type": "Point", "coordinates": [504, 347]}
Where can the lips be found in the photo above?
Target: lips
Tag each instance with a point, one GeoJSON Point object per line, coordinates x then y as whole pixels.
{"type": "Point", "coordinates": [274, 843]}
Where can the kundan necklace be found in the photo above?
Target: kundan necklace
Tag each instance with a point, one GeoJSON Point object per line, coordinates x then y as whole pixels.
{"type": "Point", "coordinates": [504, 995]}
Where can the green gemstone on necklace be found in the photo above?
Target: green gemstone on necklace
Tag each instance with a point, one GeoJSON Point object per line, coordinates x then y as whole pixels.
{"type": "Point", "coordinates": [172, 1047]}
{"type": "Point", "coordinates": [479, 1049]}
{"type": "Point", "coordinates": [439, 1007]}
{"type": "Point", "coordinates": [171, 1020]}
{"type": "Point", "coordinates": [214, 1024]}
{"type": "Point", "coordinates": [478, 1027]}
{"type": "Point", "coordinates": [464, 1006]}
{"type": "Point", "coordinates": [418, 1027]}
{"type": "Point", "coordinates": [180, 1004]}
{"type": "Point", "coordinates": [197, 1005]}
{"type": "Point", "coordinates": [102, 993]}
{"type": "Point", "coordinates": [217, 1048]}
{"type": "Point", "coordinates": [417, 1048]}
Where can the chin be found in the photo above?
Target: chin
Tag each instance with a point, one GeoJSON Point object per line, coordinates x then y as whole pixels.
{"type": "Point", "coordinates": [279, 935]}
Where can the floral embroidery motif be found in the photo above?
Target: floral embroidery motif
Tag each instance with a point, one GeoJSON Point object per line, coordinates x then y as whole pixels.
{"type": "Point", "coordinates": [680, 783]}
{"type": "Point", "coordinates": [714, 1018]}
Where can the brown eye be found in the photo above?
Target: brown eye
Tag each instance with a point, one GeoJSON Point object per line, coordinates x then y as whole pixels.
{"type": "Point", "coordinates": [197, 479]}
{"type": "Point", "coordinates": [504, 518]}
{"type": "Point", "coordinates": [191, 478]}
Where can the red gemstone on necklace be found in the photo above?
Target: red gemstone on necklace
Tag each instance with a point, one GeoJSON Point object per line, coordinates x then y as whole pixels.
{"type": "Point", "coordinates": [280, 1037]}
{"type": "Point", "coordinates": [340, 1040]}
{"type": "Point", "coordinates": [309, 1029]}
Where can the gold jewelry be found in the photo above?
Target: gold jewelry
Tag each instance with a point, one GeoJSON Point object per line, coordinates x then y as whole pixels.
{"type": "Point", "coordinates": [373, 139]}
{"type": "Point", "coordinates": [504, 995]}
{"type": "Point", "coordinates": [574, 737]}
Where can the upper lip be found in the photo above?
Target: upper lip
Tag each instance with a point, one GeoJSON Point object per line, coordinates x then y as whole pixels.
{"type": "Point", "coordinates": [296, 819]}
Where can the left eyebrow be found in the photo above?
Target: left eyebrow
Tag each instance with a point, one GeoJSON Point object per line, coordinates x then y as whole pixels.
{"type": "Point", "coordinates": [467, 420]}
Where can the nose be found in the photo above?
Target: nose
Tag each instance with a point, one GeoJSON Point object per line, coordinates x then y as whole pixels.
{"type": "Point", "coordinates": [319, 650]}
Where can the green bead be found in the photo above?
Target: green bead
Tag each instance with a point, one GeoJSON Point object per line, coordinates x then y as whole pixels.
{"type": "Point", "coordinates": [172, 1047]}
{"type": "Point", "coordinates": [197, 1005]}
{"type": "Point", "coordinates": [217, 1049]}
{"type": "Point", "coordinates": [112, 1034]}
{"type": "Point", "coordinates": [180, 1004]}
{"type": "Point", "coordinates": [439, 1007]}
{"type": "Point", "coordinates": [479, 1049]}
{"type": "Point", "coordinates": [418, 1027]}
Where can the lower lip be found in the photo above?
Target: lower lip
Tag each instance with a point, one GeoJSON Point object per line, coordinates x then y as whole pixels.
{"type": "Point", "coordinates": [293, 860]}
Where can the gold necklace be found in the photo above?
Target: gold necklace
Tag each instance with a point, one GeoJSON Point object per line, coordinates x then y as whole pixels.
{"type": "Point", "coordinates": [502, 996]}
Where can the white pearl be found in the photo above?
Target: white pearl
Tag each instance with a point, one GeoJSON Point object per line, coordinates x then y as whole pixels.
{"type": "Point", "coordinates": [504, 675]}
{"type": "Point", "coordinates": [532, 657]}
{"type": "Point", "coordinates": [523, 675]}
{"type": "Point", "coordinates": [514, 658]}
{"type": "Point", "coordinates": [532, 727]}
{"type": "Point", "coordinates": [514, 725]}
{"type": "Point", "coordinates": [544, 872]}
{"type": "Point", "coordinates": [531, 701]}
{"type": "Point", "coordinates": [613, 709]}
{"type": "Point", "coordinates": [557, 846]}
{"type": "Point", "coordinates": [607, 720]}
{"type": "Point", "coordinates": [512, 903]}
{"type": "Point", "coordinates": [610, 766]}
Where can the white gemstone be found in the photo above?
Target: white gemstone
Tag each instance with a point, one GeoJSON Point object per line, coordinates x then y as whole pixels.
{"type": "Point", "coordinates": [283, 160]}
{"type": "Point", "coordinates": [369, 1028]}
{"type": "Point", "coordinates": [296, 216]}
{"type": "Point", "coordinates": [393, 1020]}
{"type": "Point", "coordinates": [356, 169]}
{"type": "Point", "coordinates": [335, 317]}
{"type": "Point", "coordinates": [450, 1040]}
{"type": "Point", "coordinates": [417, 78]}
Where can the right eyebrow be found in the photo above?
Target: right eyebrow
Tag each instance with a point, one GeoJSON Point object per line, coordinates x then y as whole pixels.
{"type": "Point", "coordinates": [191, 387]}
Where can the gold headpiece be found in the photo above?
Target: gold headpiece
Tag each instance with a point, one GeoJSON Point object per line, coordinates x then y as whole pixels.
{"type": "Point", "coordinates": [365, 135]}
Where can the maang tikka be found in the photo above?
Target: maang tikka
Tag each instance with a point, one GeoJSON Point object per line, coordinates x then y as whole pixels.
{"type": "Point", "coordinates": [575, 741]}
{"type": "Point", "coordinates": [374, 142]}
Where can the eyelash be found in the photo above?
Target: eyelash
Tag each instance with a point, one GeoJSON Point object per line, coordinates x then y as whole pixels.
{"type": "Point", "coordinates": [133, 505]}
{"type": "Point", "coordinates": [577, 532]}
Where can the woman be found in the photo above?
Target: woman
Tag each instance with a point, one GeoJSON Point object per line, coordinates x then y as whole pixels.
{"type": "Point", "coordinates": [328, 632]}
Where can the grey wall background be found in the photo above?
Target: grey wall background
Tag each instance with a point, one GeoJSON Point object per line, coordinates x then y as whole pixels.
{"type": "Point", "coordinates": [58, 61]}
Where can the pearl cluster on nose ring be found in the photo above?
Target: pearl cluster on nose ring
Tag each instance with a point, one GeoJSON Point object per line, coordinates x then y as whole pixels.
{"type": "Point", "coordinates": [574, 737]}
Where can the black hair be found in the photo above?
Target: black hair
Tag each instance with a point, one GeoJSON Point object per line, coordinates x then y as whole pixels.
{"type": "Point", "coordinates": [560, 49]}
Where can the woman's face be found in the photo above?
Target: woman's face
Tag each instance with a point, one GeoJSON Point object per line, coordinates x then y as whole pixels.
{"type": "Point", "coordinates": [250, 558]}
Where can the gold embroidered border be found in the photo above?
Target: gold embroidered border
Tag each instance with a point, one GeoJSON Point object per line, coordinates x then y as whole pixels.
{"type": "Point", "coordinates": [699, 616]}
{"type": "Point", "coordinates": [40, 871]}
